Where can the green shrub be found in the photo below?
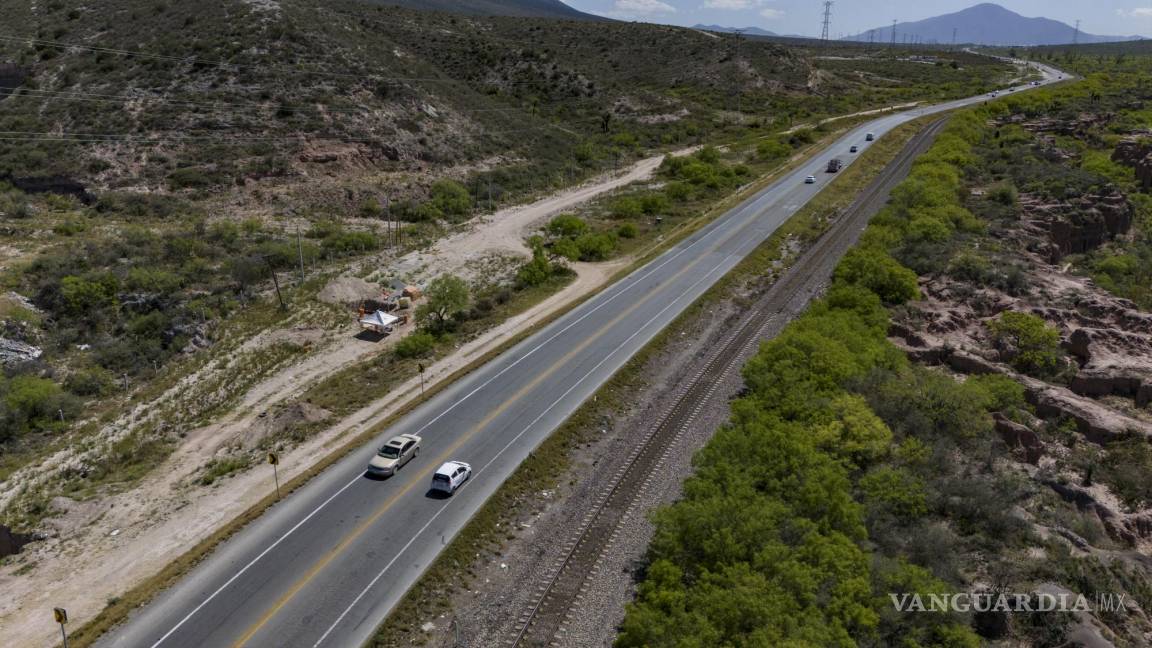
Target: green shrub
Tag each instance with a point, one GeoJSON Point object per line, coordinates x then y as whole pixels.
{"type": "Point", "coordinates": [566, 226]}
{"type": "Point", "coordinates": [450, 198]}
{"type": "Point", "coordinates": [627, 231]}
{"type": "Point", "coordinates": [538, 270]}
{"type": "Point", "coordinates": [875, 270]}
{"type": "Point", "coordinates": [1004, 193]}
{"type": "Point", "coordinates": [678, 191]}
{"type": "Point", "coordinates": [596, 246]}
{"type": "Point", "coordinates": [194, 178]}
{"type": "Point", "coordinates": [627, 207]}
{"type": "Point", "coordinates": [773, 150]}
{"type": "Point", "coordinates": [418, 344]}
{"type": "Point", "coordinates": [1030, 345]}
{"type": "Point", "coordinates": [344, 243]}
{"type": "Point", "coordinates": [655, 203]}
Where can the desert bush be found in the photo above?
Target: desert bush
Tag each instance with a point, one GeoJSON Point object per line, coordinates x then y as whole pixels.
{"type": "Point", "coordinates": [566, 226]}
{"type": "Point", "coordinates": [596, 246]}
{"type": "Point", "coordinates": [875, 270]}
{"type": "Point", "coordinates": [1028, 343]}
{"type": "Point", "coordinates": [418, 344]}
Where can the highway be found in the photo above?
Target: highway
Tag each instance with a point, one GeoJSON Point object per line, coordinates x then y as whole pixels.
{"type": "Point", "coordinates": [325, 566]}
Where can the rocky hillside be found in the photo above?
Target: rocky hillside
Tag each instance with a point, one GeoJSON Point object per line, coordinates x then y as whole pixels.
{"type": "Point", "coordinates": [521, 8]}
{"type": "Point", "coordinates": [148, 96]}
{"type": "Point", "coordinates": [167, 96]}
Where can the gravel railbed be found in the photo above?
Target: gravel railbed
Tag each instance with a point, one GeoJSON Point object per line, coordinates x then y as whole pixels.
{"type": "Point", "coordinates": [504, 581]}
{"type": "Point", "coordinates": [509, 580]}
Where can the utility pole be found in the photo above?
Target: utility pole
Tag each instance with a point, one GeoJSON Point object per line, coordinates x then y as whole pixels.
{"type": "Point", "coordinates": [739, 33]}
{"type": "Point", "coordinates": [893, 33]}
{"type": "Point", "coordinates": [871, 37]}
{"type": "Point", "coordinates": [300, 253]}
{"type": "Point", "coordinates": [827, 20]}
{"type": "Point", "coordinates": [276, 282]}
{"type": "Point", "coordinates": [953, 38]}
{"type": "Point", "coordinates": [1076, 32]}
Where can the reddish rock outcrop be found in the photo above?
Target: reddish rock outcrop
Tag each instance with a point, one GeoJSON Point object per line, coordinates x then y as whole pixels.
{"type": "Point", "coordinates": [1020, 438]}
{"type": "Point", "coordinates": [1096, 422]}
{"type": "Point", "coordinates": [1079, 224]}
{"type": "Point", "coordinates": [1136, 153]}
{"type": "Point", "coordinates": [1127, 528]}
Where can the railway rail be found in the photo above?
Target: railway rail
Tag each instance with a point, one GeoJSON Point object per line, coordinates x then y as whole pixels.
{"type": "Point", "coordinates": [561, 588]}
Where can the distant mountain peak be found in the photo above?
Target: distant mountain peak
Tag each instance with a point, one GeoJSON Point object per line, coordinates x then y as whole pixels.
{"type": "Point", "coordinates": [986, 23]}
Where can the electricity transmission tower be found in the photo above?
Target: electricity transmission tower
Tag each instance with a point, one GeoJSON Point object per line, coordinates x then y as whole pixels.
{"type": "Point", "coordinates": [827, 20]}
{"type": "Point", "coordinates": [953, 38]}
{"type": "Point", "coordinates": [736, 90]}
{"type": "Point", "coordinates": [893, 33]}
{"type": "Point", "coordinates": [1076, 32]}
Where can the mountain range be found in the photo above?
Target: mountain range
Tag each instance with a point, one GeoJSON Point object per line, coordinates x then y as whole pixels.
{"type": "Point", "coordinates": [751, 31]}
{"type": "Point", "coordinates": [985, 24]}
{"type": "Point", "coordinates": [514, 8]}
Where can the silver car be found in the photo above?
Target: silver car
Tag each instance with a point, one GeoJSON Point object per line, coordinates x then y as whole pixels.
{"type": "Point", "coordinates": [393, 455]}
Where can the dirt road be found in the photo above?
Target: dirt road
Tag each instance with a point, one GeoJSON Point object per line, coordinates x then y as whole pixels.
{"type": "Point", "coordinates": [106, 546]}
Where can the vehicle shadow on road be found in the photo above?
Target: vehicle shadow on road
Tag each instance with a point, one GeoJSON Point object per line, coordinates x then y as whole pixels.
{"type": "Point", "coordinates": [437, 494]}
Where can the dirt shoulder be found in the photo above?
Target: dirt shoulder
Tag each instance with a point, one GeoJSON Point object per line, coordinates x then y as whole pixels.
{"type": "Point", "coordinates": [503, 580]}
{"type": "Point", "coordinates": [102, 547]}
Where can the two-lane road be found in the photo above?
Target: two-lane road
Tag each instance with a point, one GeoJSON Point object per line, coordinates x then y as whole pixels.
{"type": "Point", "coordinates": [326, 565]}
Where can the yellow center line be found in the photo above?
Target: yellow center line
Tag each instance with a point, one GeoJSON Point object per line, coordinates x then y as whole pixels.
{"type": "Point", "coordinates": [391, 501]}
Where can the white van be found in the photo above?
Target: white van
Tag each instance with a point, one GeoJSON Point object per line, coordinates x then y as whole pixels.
{"type": "Point", "coordinates": [451, 476]}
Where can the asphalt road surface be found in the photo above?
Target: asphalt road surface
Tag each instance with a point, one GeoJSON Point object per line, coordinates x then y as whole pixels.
{"type": "Point", "coordinates": [325, 566]}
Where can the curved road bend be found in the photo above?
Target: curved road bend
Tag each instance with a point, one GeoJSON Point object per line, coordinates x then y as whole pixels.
{"type": "Point", "coordinates": [325, 566]}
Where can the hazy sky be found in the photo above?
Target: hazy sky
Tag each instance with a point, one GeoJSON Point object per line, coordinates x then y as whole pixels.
{"type": "Point", "coordinates": [1108, 17]}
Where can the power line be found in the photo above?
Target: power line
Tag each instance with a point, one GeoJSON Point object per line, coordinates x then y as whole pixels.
{"type": "Point", "coordinates": [76, 95]}
{"type": "Point", "coordinates": [827, 20]}
{"type": "Point", "coordinates": [221, 138]}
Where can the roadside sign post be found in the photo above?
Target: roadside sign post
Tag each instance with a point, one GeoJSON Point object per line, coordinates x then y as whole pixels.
{"type": "Point", "coordinates": [275, 461]}
{"type": "Point", "coordinates": [421, 365]}
{"type": "Point", "coordinates": [61, 617]}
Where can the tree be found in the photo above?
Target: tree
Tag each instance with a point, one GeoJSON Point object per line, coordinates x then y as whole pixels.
{"type": "Point", "coordinates": [450, 198]}
{"type": "Point", "coordinates": [447, 295]}
{"type": "Point", "coordinates": [875, 270]}
{"type": "Point", "coordinates": [566, 225]}
{"type": "Point", "coordinates": [83, 295]}
{"type": "Point", "coordinates": [596, 246]}
{"type": "Point", "coordinates": [1029, 344]}
{"type": "Point", "coordinates": [536, 271]}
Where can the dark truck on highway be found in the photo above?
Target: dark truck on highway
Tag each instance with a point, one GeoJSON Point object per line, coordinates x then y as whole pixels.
{"type": "Point", "coordinates": [834, 165]}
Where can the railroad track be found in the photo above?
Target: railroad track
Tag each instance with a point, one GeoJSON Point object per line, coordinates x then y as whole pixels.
{"type": "Point", "coordinates": [563, 585]}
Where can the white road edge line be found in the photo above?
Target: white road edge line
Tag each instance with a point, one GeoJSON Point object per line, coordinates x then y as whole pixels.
{"type": "Point", "coordinates": [607, 301]}
{"type": "Point", "coordinates": [939, 108]}
{"type": "Point", "coordinates": [253, 562]}
{"type": "Point", "coordinates": [532, 424]}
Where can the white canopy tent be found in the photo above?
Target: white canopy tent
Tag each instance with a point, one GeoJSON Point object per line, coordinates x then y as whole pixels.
{"type": "Point", "coordinates": [378, 321]}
